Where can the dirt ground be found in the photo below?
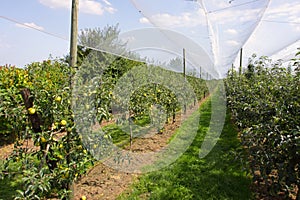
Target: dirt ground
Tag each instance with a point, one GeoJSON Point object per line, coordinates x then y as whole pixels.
{"type": "Point", "coordinates": [6, 150]}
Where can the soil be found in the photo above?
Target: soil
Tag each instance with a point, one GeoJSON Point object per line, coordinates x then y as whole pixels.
{"type": "Point", "coordinates": [103, 182]}
{"type": "Point", "coordinates": [6, 150]}
{"type": "Point", "coordinates": [27, 144]}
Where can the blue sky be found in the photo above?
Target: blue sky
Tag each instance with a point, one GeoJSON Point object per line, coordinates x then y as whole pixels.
{"type": "Point", "coordinates": [219, 27]}
{"type": "Point", "coordinates": [21, 45]}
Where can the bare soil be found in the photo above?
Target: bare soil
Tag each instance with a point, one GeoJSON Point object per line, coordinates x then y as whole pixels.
{"type": "Point", "coordinates": [27, 144]}
{"type": "Point", "coordinates": [6, 150]}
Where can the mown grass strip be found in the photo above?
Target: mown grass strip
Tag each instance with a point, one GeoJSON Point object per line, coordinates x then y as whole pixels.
{"type": "Point", "coordinates": [217, 176]}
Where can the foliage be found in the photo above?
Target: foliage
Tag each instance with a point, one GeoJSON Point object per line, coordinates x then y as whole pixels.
{"type": "Point", "coordinates": [12, 113]}
{"type": "Point", "coordinates": [106, 39]}
{"type": "Point", "coordinates": [265, 103]}
{"type": "Point", "coordinates": [57, 158]}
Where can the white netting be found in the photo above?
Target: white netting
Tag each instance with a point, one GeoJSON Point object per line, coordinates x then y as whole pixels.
{"type": "Point", "coordinates": [278, 33]}
{"type": "Point", "coordinates": [222, 27]}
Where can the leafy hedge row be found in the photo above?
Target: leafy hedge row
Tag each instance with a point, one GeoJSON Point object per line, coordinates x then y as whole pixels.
{"type": "Point", "coordinates": [265, 104]}
{"type": "Point", "coordinates": [58, 158]}
{"type": "Point", "coordinates": [46, 81]}
{"type": "Point", "coordinates": [12, 114]}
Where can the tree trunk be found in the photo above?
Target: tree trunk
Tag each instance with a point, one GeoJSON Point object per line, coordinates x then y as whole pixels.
{"type": "Point", "coordinates": [34, 118]}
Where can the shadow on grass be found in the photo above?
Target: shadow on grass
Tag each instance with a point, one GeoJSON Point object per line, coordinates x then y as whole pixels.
{"type": "Point", "coordinates": [217, 176]}
{"type": "Point", "coordinates": [8, 188]}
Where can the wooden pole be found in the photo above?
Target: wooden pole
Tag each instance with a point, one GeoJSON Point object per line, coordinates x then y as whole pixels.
{"type": "Point", "coordinates": [74, 33]}
{"type": "Point", "coordinates": [200, 73]}
{"type": "Point", "coordinates": [184, 63]}
{"type": "Point", "coordinates": [241, 60]}
{"type": "Point", "coordinates": [184, 75]}
{"type": "Point", "coordinates": [72, 64]}
{"type": "Point", "coordinates": [34, 118]}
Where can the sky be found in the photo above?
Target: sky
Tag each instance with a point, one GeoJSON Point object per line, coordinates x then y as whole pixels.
{"type": "Point", "coordinates": [212, 32]}
{"type": "Point", "coordinates": [20, 45]}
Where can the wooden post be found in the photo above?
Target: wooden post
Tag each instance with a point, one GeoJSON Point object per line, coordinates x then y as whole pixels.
{"type": "Point", "coordinates": [72, 64]}
{"type": "Point", "coordinates": [174, 115]}
{"type": "Point", "coordinates": [74, 33]}
{"type": "Point", "coordinates": [131, 135]}
{"type": "Point", "coordinates": [184, 75]}
{"type": "Point", "coordinates": [200, 73]}
{"type": "Point", "coordinates": [241, 60]}
{"type": "Point", "coordinates": [34, 118]}
{"type": "Point", "coordinates": [184, 64]}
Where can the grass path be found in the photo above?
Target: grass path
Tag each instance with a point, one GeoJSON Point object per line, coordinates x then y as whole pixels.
{"type": "Point", "coordinates": [217, 176]}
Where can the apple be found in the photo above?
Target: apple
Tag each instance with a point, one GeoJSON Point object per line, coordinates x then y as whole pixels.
{"type": "Point", "coordinates": [31, 111]}
{"type": "Point", "coordinates": [58, 99]}
{"type": "Point", "coordinates": [43, 139]}
{"type": "Point", "coordinates": [63, 122]}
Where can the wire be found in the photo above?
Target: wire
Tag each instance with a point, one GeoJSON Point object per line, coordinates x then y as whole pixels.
{"type": "Point", "coordinates": [108, 52]}
{"type": "Point", "coordinates": [63, 38]}
{"type": "Point", "coordinates": [229, 7]}
{"type": "Point", "coordinates": [32, 27]}
{"type": "Point", "coordinates": [282, 22]}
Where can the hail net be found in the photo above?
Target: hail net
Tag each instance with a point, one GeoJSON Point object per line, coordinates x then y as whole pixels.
{"type": "Point", "coordinates": [212, 33]}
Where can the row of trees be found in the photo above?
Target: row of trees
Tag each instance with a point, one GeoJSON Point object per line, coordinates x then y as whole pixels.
{"type": "Point", "coordinates": [265, 104]}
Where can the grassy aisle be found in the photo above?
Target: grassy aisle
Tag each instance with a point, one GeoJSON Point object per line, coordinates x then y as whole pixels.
{"type": "Point", "coordinates": [217, 176]}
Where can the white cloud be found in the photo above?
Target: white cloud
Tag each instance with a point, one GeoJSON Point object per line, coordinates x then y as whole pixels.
{"type": "Point", "coordinates": [85, 6]}
{"type": "Point", "coordinates": [236, 16]}
{"type": "Point", "coordinates": [144, 20]}
{"type": "Point", "coordinates": [91, 7]}
{"type": "Point", "coordinates": [231, 31]}
{"type": "Point", "coordinates": [290, 10]}
{"type": "Point", "coordinates": [111, 10]}
{"type": "Point", "coordinates": [186, 19]}
{"type": "Point", "coordinates": [32, 25]}
{"type": "Point", "coordinates": [216, 4]}
{"type": "Point", "coordinates": [107, 2]}
{"type": "Point", "coordinates": [232, 43]}
{"type": "Point", "coordinates": [56, 3]}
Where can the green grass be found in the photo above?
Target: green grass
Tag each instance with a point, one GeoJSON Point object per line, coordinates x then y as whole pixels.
{"type": "Point", "coordinates": [142, 120]}
{"type": "Point", "coordinates": [116, 133]}
{"type": "Point", "coordinates": [120, 137]}
{"type": "Point", "coordinates": [217, 176]}
{"type": "Point", "coordinates": [9, 185]}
